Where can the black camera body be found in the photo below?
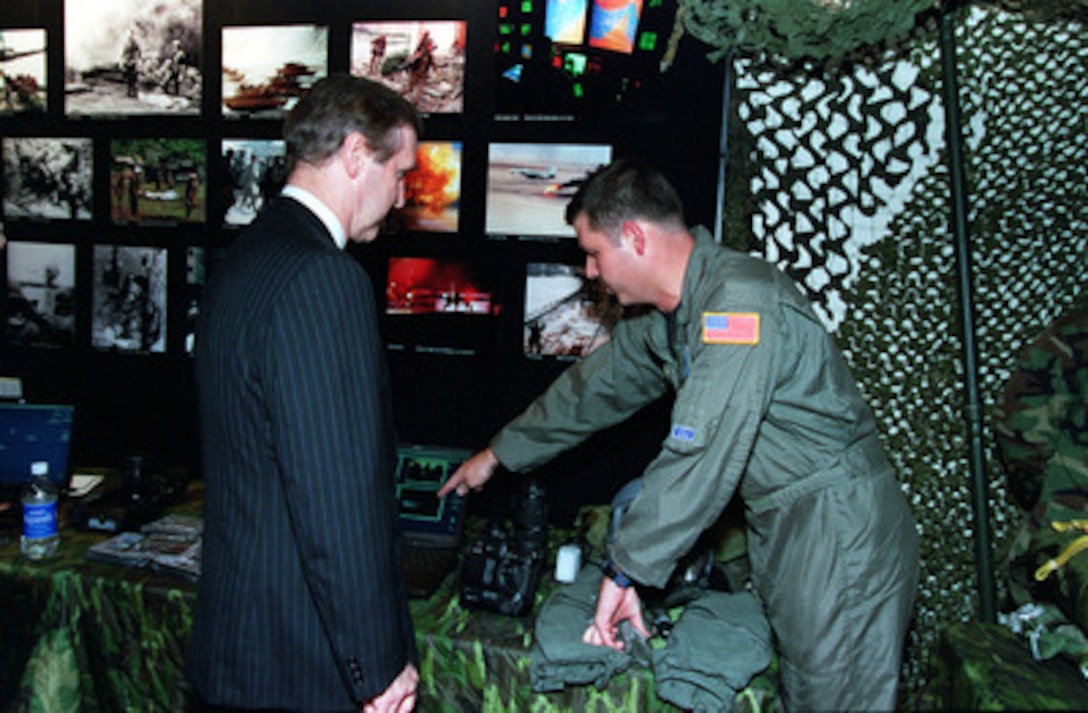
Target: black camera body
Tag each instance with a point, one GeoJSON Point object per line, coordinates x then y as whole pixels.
{"type": "Point", "coordinates": [500, 571]}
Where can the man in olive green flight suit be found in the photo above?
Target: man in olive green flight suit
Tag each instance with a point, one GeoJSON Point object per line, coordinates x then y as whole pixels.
{"type": "Point", "coordinates": [764, 406]}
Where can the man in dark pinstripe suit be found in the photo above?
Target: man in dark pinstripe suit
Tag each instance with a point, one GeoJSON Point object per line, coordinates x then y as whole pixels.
{"type": "Point", "coordinates": [301, 603]}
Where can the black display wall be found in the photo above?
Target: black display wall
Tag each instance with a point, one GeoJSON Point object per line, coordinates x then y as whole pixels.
{"type": "Point", "coordinates": [142, 400]}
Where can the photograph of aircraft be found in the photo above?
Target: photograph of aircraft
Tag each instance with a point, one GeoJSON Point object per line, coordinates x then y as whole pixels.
{"type": "Point", "coordinates": [543, 174]}
{"type": "Point", "coordinates": [525, 179]}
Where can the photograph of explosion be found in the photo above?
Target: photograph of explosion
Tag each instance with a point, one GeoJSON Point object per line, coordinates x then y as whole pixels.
{"type": "Point", "coordinates": [22, 71]}
{"type": "Point", "coordinates": [257, 169]}
{"type": "Point", "coordinates": [432, 285]}
{"type": "Point", "coordinates": [266, 69]}
{"type": "Point", "coordinates": [158, 181]}
{"type": "Point", "coordinates": [41, 294]}
{"type": "Point", "coordinates": [422, 60]}
{"type": "Point", "coordinates": [566, 315]}
{"type": "Point", "coordinates": [128, 298]}
{"type": "Point", "coordinates": [48, 178]}
{"type": "Point", "coordinates": [432, 190]}
{"type": "Point", "coordinates": [131, 57]}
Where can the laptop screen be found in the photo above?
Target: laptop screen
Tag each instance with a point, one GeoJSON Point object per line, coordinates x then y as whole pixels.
{"type": "Point", "coordinates": [421, 470]}
{"type": "Point", "coordinates": [33, 432]}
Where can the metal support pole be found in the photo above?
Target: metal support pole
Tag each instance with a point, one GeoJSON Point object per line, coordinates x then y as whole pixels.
{"type": "Point", "coordinates": [723, 144]}
{"type": "Point", "coordinates": [972, 407]}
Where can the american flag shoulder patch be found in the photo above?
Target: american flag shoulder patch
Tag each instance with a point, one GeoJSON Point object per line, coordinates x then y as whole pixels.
{"type": "Point", "coordinates": [730, 328]}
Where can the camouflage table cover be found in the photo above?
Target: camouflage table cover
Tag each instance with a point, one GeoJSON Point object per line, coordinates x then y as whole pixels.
{"type": "Point", "coordinates": [987, 667]}
{"type": "Point", "coordinates": [89, 636]}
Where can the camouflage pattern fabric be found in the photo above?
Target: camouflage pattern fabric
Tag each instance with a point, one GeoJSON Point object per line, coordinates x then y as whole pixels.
{"type": "Point", "coordinates": [1034, 546]}
{"type": "Point", "coordinates": [1041, 427]}
{"type": "Point", "coordinates": [84, 636]}
{"type": "Point", "coordinates": [1049, 634]}
{"type": "Point", "coordinates": [987, 667]}
{"type": "Point", "coordinates": [93, 636]}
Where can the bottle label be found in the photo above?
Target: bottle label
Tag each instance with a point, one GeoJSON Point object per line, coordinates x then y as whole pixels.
{"type": "Point", "coordinates": [39, 520]}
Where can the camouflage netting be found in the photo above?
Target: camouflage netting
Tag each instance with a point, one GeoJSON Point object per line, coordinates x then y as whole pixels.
{"type": "Point", "coordinates": [848, 188]}
{"type": "Point", "coordinates": [1044, 9]}
{"type": "Point", "coordinates": [795, 29]}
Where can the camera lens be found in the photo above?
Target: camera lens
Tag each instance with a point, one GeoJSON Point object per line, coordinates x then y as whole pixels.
{"type": "Point", "coordinates": [531, 519]}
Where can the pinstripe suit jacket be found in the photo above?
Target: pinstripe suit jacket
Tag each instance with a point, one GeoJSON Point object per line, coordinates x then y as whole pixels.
{"type": "Point", "coordinates": [301, 603]}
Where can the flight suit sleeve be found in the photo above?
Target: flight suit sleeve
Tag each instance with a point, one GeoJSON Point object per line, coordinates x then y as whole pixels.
{"type": "Point", "coordinates": [715, 421]}
{"type": "Point", "coordinates": [611, 384]}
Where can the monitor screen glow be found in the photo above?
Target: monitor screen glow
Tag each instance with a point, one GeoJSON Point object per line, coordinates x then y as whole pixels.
{"type": "Point", "coordinates": [565, 21]}
{"type": "Point", "coordinates": [614, 24]}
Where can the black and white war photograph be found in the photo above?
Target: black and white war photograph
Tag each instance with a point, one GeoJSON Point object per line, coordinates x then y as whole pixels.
{"type": "Point", "coordinates": [566, 315]}
{"type": "Point", "coordinates": [422, 60]}
{"type": "Point", "coordinates": [267, 68]}
{"type": "Point", "coordinates": [128, 298]}
{"type": "Point", "coordinates": [48, 178]}
{"type": "Point", "coordinates": [41, 293]}
{"type": "Point", "coordinates": [257, 169]}
{"type": "Point", "coordinates": [22, 70]}
{"type": "Point", "coordinates": [130, 57]}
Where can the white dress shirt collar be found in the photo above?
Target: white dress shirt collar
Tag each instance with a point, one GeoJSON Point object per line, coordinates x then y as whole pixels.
{"type": "Point", "coordinates": [320, 210]}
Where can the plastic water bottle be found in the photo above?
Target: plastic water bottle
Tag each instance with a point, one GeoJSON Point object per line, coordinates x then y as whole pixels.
{"type": "Point", "coordinates": [40, 535]}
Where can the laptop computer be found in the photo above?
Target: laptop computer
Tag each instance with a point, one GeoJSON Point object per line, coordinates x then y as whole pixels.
{"type": "Point", "coordinates": [29, 433]}
{"type": "Point", "coordinates": [432, 527]}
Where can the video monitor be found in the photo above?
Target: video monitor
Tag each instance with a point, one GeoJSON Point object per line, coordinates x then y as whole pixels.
{"type": "Point", "coordinates": [566, 316]}
{"type": "Point", "coordinates": [614, 25]}
{"type": "Point", "coordinates": [158, 181]}
{"type": "Point", "coordinates": [256, 171]}
{"type": "Point", "coordinates": [41, 304]}
{"type": "Point", "coordinates": [530, 184]}
{"type": "Point", "coordinates": [565, 21]}
{"type": "Point", "coordinates": [432, 190]}
{"type": "Point", "coordinates": [128, 298]}
{"type": "Point", "coordinates": [136, 57]}
{"type": "Point", "coordinates": [267, 68]}
{"type": "Point", "coordinates": [22, 71]}
{"type": "Point", "coordinates": [441, 305]}
{"type": "Point", "coordinates": [32, 432]}
{"type": "Point", "coordinates": [48, 178]}
{"type": "Point", "coordinates": [571, 58]}
{"type": "Point", "coordinates": [422, 60]}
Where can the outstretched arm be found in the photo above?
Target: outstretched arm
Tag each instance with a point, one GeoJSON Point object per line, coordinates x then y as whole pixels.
{"type": "Point", "coordinates": [472, 475]}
